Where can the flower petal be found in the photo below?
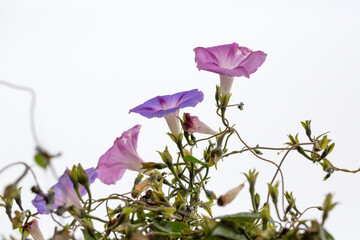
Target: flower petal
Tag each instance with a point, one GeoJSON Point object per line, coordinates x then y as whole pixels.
{"type": "Point", "coordinates": [40, 204]}
{"type": "Point", "coordinates": [121, 156]}
{"type": "Point", "coordinates": [253, 61]}
{"type": "Point", "coordinates": [162, 105]}
{"type": "Point", "coordinates": [65, 194]}
{"type": "Point", "coordinates": [230, 60]}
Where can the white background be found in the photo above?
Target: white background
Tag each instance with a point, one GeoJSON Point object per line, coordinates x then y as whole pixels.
{"type": "Point", "coordinates": [91, 61]}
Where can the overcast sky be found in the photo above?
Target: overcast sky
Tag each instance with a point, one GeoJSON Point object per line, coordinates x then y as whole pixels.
{"type": "Point", "coordinates": [91, 61]}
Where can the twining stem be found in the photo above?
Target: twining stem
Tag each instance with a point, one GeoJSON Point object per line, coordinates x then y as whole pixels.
{"type": "Point", "coordinates": [307, 210]}
{"type": "Point", "coordinates": [28, 168]}
{"type": "Point", "coordinates": [266, 160]}
{"type": "Point", "coordinates": [32, 106]}
{"type": "Point", "coordinates": [279, 170]}
{"type": "Point", "coordinates": [344, 170]}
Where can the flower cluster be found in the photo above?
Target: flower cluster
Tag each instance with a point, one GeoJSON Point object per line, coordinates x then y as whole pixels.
{"type": "Point", "coordinates": [165, 205]}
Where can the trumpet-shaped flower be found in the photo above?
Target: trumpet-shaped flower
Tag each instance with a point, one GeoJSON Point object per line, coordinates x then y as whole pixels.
{"type": "Point", "coordinates": [192, 124]}
{"type": "Point", "coordinates": [64, 193]}
{"type": "Point", "coordinates": [168, 106]}
{"type": "Point", "coordinates": [229, 61]}
{"type": "Point", "coordinates": [121, 156]}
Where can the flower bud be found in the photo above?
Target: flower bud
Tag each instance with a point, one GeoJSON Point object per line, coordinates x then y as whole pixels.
{"type": "Point", "coordinates": [10, 191]}
{"type": "Point", "coordinates": [140, 187]}
{"type": "Point", "coordinates": [210, 194]}
{"type": "Point", "coordinates": [32, 227]}
{"type": "Point", "coordinates": [73, 175]}
{"type": "Point", "coordinates": [227, 198]}
{"type": "Point", "coordinates": [327, 206]}
{"type": "Point", "coordinates": [251, 177]}
{"type": "Point", "coordinates": [83, 178]}
{"type": "Point", "coordinates": [307, 127]}
{"type": "Point", "coordinates": [192, 124]}
{"type": "Point", "coordinates": [166, 157]}
{"type": "Point", "coordinates": [273, 190]}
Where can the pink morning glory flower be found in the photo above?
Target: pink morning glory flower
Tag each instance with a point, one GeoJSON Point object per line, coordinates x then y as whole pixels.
{"type": "Point", "coordinates": [121, 156]}
{"type": "Point", "coordinates": [192, 124]}
{"type": "Point", "coordinates": [229, 61]}
{"type": "Point", "coordinates": [65, 194]}
{"type": "Point", "coordinates": [168, 106]}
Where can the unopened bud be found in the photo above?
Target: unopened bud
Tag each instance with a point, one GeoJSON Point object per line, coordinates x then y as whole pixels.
{"type": "Point", "coordinates": [307, 126]}
{"type": "Point", "coordinates": [73, 175]}
{"type": "Point", "coordinates": [139, 188]}
{"type": "Point", "coordinates": [32, 227]}
{"type": "Point", "coordinates": [228, 197]}
{"type": "Point", "coordinates": [273, 190]}
{"type": "Point", "coordinates": [210, 194]}
{"type": "Point", "coordinates": [192, 124]}
{"type": "Point", "coordinates": [10, 191]}
{"type": "Point", "coordinates": [166, 157]}
{"type": "Point", "coordinates": [83, 178]}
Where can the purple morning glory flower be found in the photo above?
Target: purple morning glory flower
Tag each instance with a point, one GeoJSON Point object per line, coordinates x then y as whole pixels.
{"type": "Point", "coordinates": [65, 194]}
{"type": "Point", "coordinates": [121, 156]}
{"type": "Point", "coordinates": [168, 106]}
{"type": "Point", "coordinates": [229, 61]}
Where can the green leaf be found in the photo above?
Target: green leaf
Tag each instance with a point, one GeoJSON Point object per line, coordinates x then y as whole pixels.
{"type": "Point", "coordinates": [206, 207]}
{"type": "Point", "coordinates": [21, 230]}
{"type": "Point", "coordinates": [242, 217]}
{"type": "Point", "coordinates": [330, 148]}
{"type": "Point", "coordinates": [328, 235]}
{"type": "Point", "coordinates": [178, 226]}
{"type": "Point", "coordinates": [227, 232]}
{"type": "Point", "coordinates": [41, 160]}
{"type": "Point", "coordinates": [167, 227]}
{"type": "Point", "coordinates": [189, 158]}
